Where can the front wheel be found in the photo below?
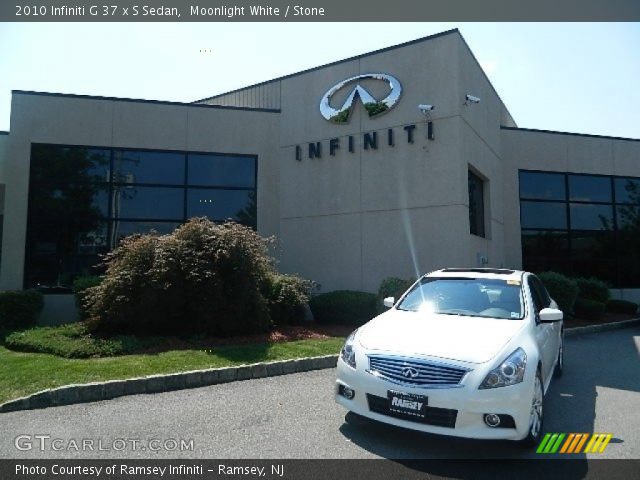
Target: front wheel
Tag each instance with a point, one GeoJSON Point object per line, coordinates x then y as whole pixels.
{"type": "Point", "coordinates": [535, 418]}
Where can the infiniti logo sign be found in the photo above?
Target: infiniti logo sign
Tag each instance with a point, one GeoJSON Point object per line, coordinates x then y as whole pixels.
{"type": "Point", "coordinates": [409, 372]}
{"type": "Point", "coordinates": [373, 106]}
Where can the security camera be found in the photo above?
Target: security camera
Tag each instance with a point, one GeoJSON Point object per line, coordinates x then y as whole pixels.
{"type": "Point", "coordinates": [471, 98]}
{"type": "Point", "coordinates": [425, 108]}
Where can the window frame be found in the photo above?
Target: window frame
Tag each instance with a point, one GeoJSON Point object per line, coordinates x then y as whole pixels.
{"type": "Point", "coordinates": [572, 263]}
{"type": "Point", "coordinates": [111, 183]}
{"type": "Point", "coordinates": [473, 174]}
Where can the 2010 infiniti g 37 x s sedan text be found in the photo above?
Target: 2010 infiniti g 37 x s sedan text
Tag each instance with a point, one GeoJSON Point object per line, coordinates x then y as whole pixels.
{"type": "Point", "coordinates": [464, 352]}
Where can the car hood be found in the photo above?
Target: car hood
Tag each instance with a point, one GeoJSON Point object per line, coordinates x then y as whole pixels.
{"type": "Point", "coordinates": [454, 337]}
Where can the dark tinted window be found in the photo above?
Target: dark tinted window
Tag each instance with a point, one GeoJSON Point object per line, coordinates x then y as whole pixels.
{"type": "Point", "coordinates": [134, 166]}
{"type": "Point", "coordinates": [121, 228]}
{"type": "Point", "coordinates": [628, 217]}
{"type": "Point", "coordinates": [627, 190]}
{"type": "Point", "coordinates": [586, 216]}
{"type": "Point", "coordinates": [476, 205]}
{"type": "Point", "coordinates": [603, 238]}
{"type": "Point", "coordinates": [69, 165]}
{"type": "Point", "coordinates": [545, 243]}
{"type": "Point", "coordinates": [79, 210]}
{"type": "Point", "coordinates": [148, 202]}
{"type": "Point", "coordinates": [541, 292]}
{"type": "Point", "coordinates": [543, 215]}
{"type": "Point", "coordinates": [238, 205]}
{"type": "Point", "coordinates": [589, 188]}
{"type": "Point", "coordinates": [222, 170]}
{"type": "Point", "coordinates": [542, 186]}
{"type": "Point", "coordinates": [538, 302]}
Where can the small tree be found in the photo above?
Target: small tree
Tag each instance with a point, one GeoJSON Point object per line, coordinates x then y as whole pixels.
{"type": "Point", "coordinates": [203, 277]}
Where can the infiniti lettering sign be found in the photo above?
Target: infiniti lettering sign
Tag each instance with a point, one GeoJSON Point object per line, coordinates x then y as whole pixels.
{"type": "Point", "coordinates": [373, 106]}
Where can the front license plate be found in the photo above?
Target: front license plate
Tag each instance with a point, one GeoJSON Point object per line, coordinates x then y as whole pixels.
{"type": "Point", "coordinates": [407, 403]}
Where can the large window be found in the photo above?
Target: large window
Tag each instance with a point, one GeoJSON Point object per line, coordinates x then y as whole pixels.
{"type": "Point", "coordinates": [476, 205]}
{"type": "Point", "coordinates": [587, 225]}
{"type": "Point", "coordinates": [84, 200]}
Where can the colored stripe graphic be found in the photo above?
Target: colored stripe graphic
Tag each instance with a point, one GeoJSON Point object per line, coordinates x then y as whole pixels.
{"type": "Point", "coordinates": [573, 443]}
{"type": "Point", "coordinates": [567, 443]}
{"type": "Point", "coordinates": [543, 443]}
{"type": "Point", "coordinates": [605, 442]}
{"type": "Point", "coordinates": [581, 443]}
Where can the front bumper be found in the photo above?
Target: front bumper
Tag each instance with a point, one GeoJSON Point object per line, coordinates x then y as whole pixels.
{"type": "Point", "coordinates": [469, 404]}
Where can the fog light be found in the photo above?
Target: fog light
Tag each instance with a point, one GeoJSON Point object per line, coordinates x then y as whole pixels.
{"type": "Point", "coordinates": [346, 392]}
{"type": "Point", "coordinates": [491, 419]}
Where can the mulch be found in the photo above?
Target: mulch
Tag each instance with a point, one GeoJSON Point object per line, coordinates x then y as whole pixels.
{"type": "Point", "coordinates": [306, 332]}
{"type": "Point", "coordinates": [276, 335]}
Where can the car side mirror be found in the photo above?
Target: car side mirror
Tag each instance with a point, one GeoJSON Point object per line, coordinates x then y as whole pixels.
{"type": "Point", "coordinates": [389, 301]}
{"type": "Point", "coordinates": [549, 315]}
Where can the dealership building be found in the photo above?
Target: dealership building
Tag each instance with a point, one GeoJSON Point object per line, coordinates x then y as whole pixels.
{"type": "Point", "coordinates": [391, 163]}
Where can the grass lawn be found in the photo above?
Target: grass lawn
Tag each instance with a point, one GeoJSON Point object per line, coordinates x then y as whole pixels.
{"type": "Point", "coordinates": [26, 373]}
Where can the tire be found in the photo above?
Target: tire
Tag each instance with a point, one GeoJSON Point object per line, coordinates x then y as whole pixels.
{"type": "Point", "coordinates": [536, 416]}
{"type": "Point", "coordinates": [557, 372]}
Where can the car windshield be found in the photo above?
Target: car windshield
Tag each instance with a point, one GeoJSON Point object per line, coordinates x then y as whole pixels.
{"type": "Point", "coordinates": [478, 297]}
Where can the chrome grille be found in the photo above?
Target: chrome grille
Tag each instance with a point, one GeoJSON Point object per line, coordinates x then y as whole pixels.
{"type": "Point", "coordinates": [410, 371]}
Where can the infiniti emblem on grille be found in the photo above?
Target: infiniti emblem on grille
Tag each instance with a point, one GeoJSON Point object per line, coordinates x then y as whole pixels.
{"type": "Point", "coordinates": [409, 372]}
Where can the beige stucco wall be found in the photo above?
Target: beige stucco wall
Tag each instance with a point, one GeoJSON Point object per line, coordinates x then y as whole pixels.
{"type": "Point", "coordinates": [350, 220]}
{"type": "Point", "coordinates": [120, 123]}
{"type": "Point", "coordinates": [553, 151]}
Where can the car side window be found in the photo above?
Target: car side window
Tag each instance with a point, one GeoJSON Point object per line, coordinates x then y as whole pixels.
{"type": "Point", "coordinates": [538, 302]}
{"type": "Point", "coordinates": [543, 295]}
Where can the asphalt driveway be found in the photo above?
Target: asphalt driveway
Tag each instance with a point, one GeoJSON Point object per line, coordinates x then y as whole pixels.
{"type": "Point", "coordinates": [294, 416]}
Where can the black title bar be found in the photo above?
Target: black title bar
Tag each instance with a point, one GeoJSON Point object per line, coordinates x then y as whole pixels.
{"type": "Point", "coordinates": [187, 469]}
{"type": "Point", "coordinates": [317, 10]}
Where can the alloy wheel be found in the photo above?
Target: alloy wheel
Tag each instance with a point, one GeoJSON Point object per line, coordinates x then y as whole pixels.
{"type": "Point", "coordinates": [536, 409]}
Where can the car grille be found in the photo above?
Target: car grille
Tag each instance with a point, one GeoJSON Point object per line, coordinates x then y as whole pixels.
{"type": "Point", "coordinates": [440, 417]}
{"type": "Point", "coordinates": [415, 372]}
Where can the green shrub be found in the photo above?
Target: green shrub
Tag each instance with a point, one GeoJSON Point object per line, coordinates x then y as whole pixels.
{"type": "Point", "coordinates": [20, 309]}
{"type": "Point", "coordinates": [622, 306]}
{"type": "Point", "coordinates": [69, 341]}
{"type": "Point", "coordinates": [593, 289]}
{"type": "Point", "coordinates": [562, 289]}
{"type": "Point", "coordinates": [202, 278]}
{"type": "Point", "coordinates": [344, 307]}
{"type": "Point", "coordinates": [589, 309]}
{"type": "Point", "coordinates": [81, 285]}
{"type": "Point", "coordinates": [391, 287]}
{"type": "Point", "coordinates": [287, 296]}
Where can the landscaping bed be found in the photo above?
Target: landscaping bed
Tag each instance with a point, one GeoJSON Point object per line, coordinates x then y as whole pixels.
{"type": "Point", "coordinates": [24, 373]}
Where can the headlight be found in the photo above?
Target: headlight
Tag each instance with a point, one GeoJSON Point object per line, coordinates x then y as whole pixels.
{"type": "Point", "coordinates": [348, 354]}
{"type": "Point", "coordinates": [509, 372]}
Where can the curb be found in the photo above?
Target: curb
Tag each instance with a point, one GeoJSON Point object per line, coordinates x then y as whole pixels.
{"type": "Point", "coordinates": [603, 327]}
{"type": "Point", "coordinates": [93, 392]}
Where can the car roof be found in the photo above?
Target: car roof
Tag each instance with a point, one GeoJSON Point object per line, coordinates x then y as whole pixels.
{"type": "Point", "coordinates": [494, 273]}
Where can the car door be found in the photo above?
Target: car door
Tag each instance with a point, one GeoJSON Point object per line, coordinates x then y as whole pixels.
{"type": "Point", "coordinates": [544, 331]}
{"type": "Point", "coordinates": [555, 327]}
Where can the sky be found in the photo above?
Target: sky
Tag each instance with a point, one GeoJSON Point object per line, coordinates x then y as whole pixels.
{"type": "Point", "coordinates": [575, 77]}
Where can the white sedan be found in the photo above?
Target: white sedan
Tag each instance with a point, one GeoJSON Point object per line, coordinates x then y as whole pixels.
{"type": "Point", "coordinates": [464, 352]}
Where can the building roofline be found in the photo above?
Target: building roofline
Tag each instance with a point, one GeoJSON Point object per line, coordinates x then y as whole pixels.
{"type": "Point", "coordinates": [464, 42]}
{"type": "Point", "coordinates": [555, 132]}
{"type": "Point", "coordinates": [337, 62]}
{"type": "Point", "coordinates": [139, 100]}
